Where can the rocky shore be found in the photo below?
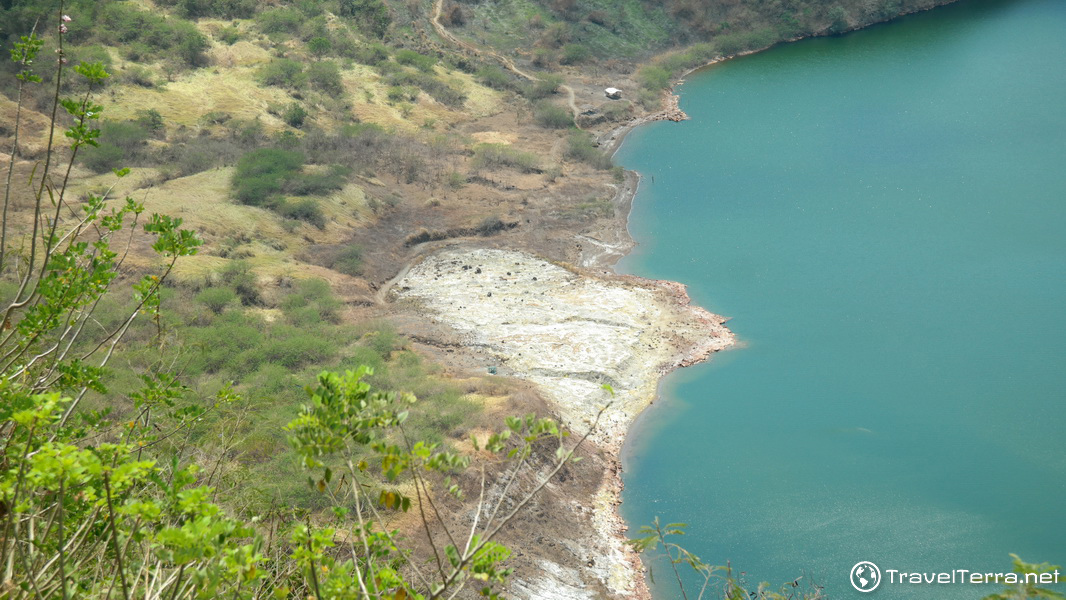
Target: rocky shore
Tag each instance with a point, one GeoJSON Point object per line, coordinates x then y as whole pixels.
{"type": "Point", "coordinates": [571, 331]}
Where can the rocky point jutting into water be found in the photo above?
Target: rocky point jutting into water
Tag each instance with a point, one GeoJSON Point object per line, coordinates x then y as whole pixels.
{"type": "Point", "coordinates": [571, 333]}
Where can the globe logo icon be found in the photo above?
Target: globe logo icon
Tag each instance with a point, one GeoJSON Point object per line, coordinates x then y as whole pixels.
{"type": "Point", "coordinates": [865, 576]}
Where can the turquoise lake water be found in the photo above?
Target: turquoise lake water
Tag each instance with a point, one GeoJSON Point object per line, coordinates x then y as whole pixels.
{"type": "Point", "coordinates": [883, 215]}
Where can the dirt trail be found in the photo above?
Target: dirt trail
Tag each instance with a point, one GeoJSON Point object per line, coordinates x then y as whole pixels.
{"type": "Point", "coordinates": [438, 6]}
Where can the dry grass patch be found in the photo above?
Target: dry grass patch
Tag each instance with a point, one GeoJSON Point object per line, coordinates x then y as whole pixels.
{"type": "Point", "coordinates": [240, 54]}
{"type": "Point", "coordinates": [495, 137]}
{"type": "Point", "coordinates": [185, 101]}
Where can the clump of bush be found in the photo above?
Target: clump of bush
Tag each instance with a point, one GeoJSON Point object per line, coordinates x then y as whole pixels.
{"type": "Point", "coordinates": [216, 299]}
{"type": "Point", "coordinates": [371, 54]}
{"type": "Point", "coordinates": [752, 40]}
{"type": "Point", "coordinates": [279, 20]}
{"type": "Point", "coordinates": [494, 77]}
{"type": "Point", "coordinates": [229, 35]}
{"type": "Point", "coordinates": [654, 77]}
{"type": "Point", "coordinates": [581, 147]}
{"type": "Point", "coordinates": [574, 53]}
{"type": "Point", "coordinates": [401, 93]}
{"type": "Point", "coordinates": [437, 89]}
{"type": "Point", "coordinates": [414, 59]}
{"type": "Point", "coordinates": [501, 155]}
{"type": "Point", "coordinates": [543, 87]}
{"type": "Point", "coordinates": [347, 259]}
{"type": "Point", "coordinates": [304, 209]}
{"type": "Point", "coordinates": [264, 176]}
{"type": "Point", "coordinates": [550, 116]}
{"type": "Point", "coordinates": [138, 75]}
{"type": "Point", "coordinates": [310, 303]}
{"type": "Point", "coordinates": [222, 9]}
{"type": "Point", "coordinates": [325, 76]}
{"type": "Point", "coordinates": [154, 34]}
{"type": "Point", "coordinates": [261, 174]}
{"type": "Point", "coordinates": [294, 115]}
{"type": "Point", "coordinates": [617, 110]}
{"type": "Point", "coordinates": [591, 208]}
{"type": "Point", "coordinates": [239, 277]}
{"type": "Point", "coordinates": [372, 16]}
{"type": "Point", "coordinates": [121, 143]}
{"type": "Point", "coordinates": [283, 72]}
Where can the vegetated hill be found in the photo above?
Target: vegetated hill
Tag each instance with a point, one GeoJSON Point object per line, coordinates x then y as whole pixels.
{"type": "Point", "coordinates": [305, 142]}
{"type": "Point", "coordinates": [581, 31]}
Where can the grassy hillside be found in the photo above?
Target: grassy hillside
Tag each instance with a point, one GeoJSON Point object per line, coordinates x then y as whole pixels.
{"type": "Point", "coordinates": [313, 146]}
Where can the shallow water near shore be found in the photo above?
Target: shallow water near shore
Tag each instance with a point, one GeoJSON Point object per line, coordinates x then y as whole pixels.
{"type": "Point", "coordinates": [883, 216]}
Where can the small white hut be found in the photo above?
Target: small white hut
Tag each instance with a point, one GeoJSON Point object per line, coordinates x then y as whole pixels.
{"type": "Point", "coordinates": [613, 93]}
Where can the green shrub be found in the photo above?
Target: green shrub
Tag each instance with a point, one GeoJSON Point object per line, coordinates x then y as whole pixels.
{"type": "Point", "coordinates": [502, 155]}
{"type": "Point", "coordinates": [325, 76]}
{"type": "Point", "coordinates": [372, 54]}
{"type": "Point", "coordinates": [401, 93]}
{"type": "Point", "coordinates": [437, 89]}
{"type": "Point", "coordinates": [574, 53]}
{"type": "Point", "coordinates": [345, 46]}
{"type": "Point", "coordinates": [137, 52]}
{"type": "Point", "coordinates": [229, 35]}
{"type": "Point", "coordinates": [654, 77]}
{"type": "Point", "coordinates": [543, 58]}
{"type": "Point", "coordinates": [494, 77]}
{"type": "Point", "coordinates": [456, 180]}
{"type": "Point", "coordinates": [553, 117]}
{"type": "Point", "coordinates": [838, 18]}
{"type": "Point", "coordinates": [372, 16]}
{"type": "Point", "coordinates": [150, 120]}
{"type": "Point", "coordinates": [192, 47]}
{"type": "Point", "coordinates": [618, 110]}
{"type": "Point", "coordinates": [120, 143]}
{"type": "Point", "coordinates": [222, 9]}
{"type": "Point", "coordinates": [138, 75]}
{"type": "Point", "coordinates": [314, 28]}
{"type": "Point", "coordinates": [348, 261]}
{"type": "Point", "coordinates": [734, 43]}
{"type": "Point", "coordinates": [304, 209]}
{"type": "Point", "coordinates": [293, 348]}
{"type": "Point", "coordinates": [380, 336]}
{"type": "Point", "coordinates": [693, 56]}
{"type": "Point", "coordinates": [195, 160]}
{"type": "Point", "coordinates": [591, 208]}
{"type": "Point", "coordinates": [260, 174]}
{"type": "Point", "coordinates": [283, 72]}
{"type": "Point", "coordinates": [319, 46]}
{"type": "Point", "coordinates": [413, 59]}
{"type": "Point", "coordinates": [543, 87]}
{"type": "Point", "coordinates": [103, 158]}
{"type": "Point", "coordinates": [649, 99]}
{"type": "Point", "coordinates": [294, 115]}
{"type": "Point", "coordinates": [313, 293]}
{"type": "Point", "coordinates": [90, 54]}
{"type": "Point", "coordinates": [154, 34]}
{"type": "Point", "coordinates": [216, 299]}
{"type": "Point", "coordinates": [311, 184]}
{"type": "Point", "coordinates": [226, 343]}
{"type": "Point", "coordinates": [279, 20]}
{"type": "Point", "coordinates": [239, 277]}
{"type": "Point", "coordinates": [582, 147]}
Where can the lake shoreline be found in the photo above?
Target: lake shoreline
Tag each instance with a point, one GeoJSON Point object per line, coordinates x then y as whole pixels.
{"type": "Point", "coordinates": [624, 243]}
{"type": "Point", "coordinates": [612, 140]}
